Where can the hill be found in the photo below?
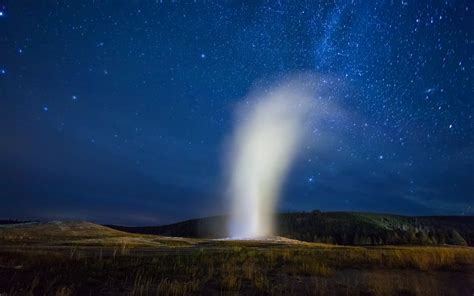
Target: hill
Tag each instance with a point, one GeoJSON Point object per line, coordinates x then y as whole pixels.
{"type": "Point", "coordinates": [55, 230]}
{"type": "Point", "coordinates": [80, 234]}
{"type": "Point", "coordinates": [345, 228]}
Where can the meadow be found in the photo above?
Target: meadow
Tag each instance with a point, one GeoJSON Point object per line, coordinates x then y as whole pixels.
{"type": "Point", "coordinates": [95, 260]}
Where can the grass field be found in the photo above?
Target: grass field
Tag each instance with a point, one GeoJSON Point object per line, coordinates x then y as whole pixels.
{"type": "Point", "coordinates": [88, 259]}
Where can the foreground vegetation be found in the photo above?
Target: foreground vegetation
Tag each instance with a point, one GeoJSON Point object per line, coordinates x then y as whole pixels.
{"type": "Point", "coordinates": [94, 260]}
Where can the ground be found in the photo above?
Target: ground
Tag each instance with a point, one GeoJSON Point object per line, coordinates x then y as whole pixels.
{"type": "Point", "coordinates": [71, 258]}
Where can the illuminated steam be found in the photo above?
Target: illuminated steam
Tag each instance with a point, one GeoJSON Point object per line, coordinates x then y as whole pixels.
{"type": "Point", "coordinates": [269, 130]}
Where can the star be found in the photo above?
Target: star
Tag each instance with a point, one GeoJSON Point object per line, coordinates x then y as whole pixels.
{"type": "Point", "coordinates": [365, 101]}
{"type": "Point", "coordinates": [430, 90]}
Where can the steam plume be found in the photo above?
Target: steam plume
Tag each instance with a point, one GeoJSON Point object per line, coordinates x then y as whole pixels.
{"type": "Point", "coordinates": [266, 138]}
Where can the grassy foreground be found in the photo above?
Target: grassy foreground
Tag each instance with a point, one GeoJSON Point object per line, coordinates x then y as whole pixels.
{"type": "Point", "coordinates": [120, 263]}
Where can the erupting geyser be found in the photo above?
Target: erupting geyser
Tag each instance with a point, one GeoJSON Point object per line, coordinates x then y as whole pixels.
{"type": "Point", "coordinates": [267, 135]}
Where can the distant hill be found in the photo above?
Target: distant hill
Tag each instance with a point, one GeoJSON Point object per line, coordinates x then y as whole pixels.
{"type": "Point", "coordinates": [345, 228]}
{"type": "Point", "coordinates": [55, 230]}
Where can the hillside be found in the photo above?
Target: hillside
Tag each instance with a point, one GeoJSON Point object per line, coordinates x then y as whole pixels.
{"type": "Point", "coordinates": [59, 234]}
{"type": "Point", "coordinates": [55, 230]}
{"type": "Point", "coordinates": [348, 228]}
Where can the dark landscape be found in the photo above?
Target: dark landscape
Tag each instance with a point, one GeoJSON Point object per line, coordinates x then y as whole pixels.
{"type": "Point", "coordinates": [429, 257]}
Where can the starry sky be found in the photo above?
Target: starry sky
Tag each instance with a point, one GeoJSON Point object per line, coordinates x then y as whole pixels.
{"type": "Point", "coordinates": [117, 111]}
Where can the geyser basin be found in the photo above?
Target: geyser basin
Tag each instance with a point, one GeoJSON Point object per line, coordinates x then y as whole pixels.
{"type": "Point", "coordinates": [269, 130]}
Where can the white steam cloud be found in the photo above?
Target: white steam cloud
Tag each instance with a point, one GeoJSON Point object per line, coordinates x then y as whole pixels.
{"type": "Point", "coordinates": [269, 131]}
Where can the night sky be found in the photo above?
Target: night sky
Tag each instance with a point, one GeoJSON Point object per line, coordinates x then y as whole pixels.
{"type": "Point", "coordinates": [118, 111]}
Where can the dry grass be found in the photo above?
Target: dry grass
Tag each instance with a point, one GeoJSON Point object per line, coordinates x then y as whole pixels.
{"type": "Point", "coordinates": [150, 265]}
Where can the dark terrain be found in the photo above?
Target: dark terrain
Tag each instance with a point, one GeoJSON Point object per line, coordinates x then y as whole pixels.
{"type": "Point", "coordinates": [82, 258]}
{"type": "Point", "coordinates": [343, 228]}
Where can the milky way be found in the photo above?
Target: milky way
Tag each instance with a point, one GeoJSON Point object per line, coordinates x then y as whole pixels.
{"type": "Point", "coordinates": [117, 111]}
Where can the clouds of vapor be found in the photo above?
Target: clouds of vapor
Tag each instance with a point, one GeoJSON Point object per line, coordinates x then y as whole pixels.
{"type": "Point", "coordinates": [269, 131]}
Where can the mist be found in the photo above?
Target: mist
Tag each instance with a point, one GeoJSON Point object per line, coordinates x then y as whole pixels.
{"type": "Point", "coordinates": [269, 130]}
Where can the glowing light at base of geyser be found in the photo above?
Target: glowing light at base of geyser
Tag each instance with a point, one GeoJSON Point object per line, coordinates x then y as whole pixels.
{"type": "Point", "coordinates": [269, 130]}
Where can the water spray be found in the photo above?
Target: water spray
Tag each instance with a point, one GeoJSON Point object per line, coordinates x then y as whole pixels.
{"type": "Point", "coordinates": [269, 130]}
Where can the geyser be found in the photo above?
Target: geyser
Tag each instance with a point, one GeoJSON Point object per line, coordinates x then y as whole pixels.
{"type": "Point", "coordinates": [269, 130]}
